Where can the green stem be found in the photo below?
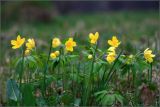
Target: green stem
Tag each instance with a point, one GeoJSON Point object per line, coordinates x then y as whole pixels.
{"type": "Point", "coordinates": [98, 81]}
{"type": "Point", "coordinates": [20, 75]}
{"type": "Point", "coordinates": [92, 66]}
{"type": "Point", "coordinates": [151, 72]}
{"type": "Point", "coordinates": [89, 85]}
{"type": "Point", "coordinates": [133, 76]}
{"type": "Point", "coordinates": [59, 66]}
{"type": "Point", "coordinates": [29, 76]}
{"type": "Point", "coordinates": [128, 73]}
{"type": "Point", "coordinates": [45, 70]}
{"type": "Point", "coordinates": [109, 76]}
{"type": "Point", "coordinates": [77, 73]}
{"type": "Point", "coordinates": [104, 73]}
{"type": "Point", "coordinates": [148, 75]}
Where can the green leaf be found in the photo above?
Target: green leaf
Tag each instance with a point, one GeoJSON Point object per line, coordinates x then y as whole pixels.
{"type": "Point", "coordinates": [77, 102]}
{"type": "Point", "coordinates": [13, 92]}
{"type": "Point", "coordinates": [40, 101]}
{"type": "Point", "coordinates": [125, 70]}
{"type": "Point", "coordinates": [28, 97]}
{"type": "Point", "coordinates": [108, 100]}
{"type": "Point", "coordinates": [30, 61]}
{"type": "Point", "coordinates": [85, 53]}
{"type": "Point", "coordinates": [107, 97]}
{"type": "Point", "coordinates": [141, 65]}
{"type": "Point", "coordinates": [38, 61]}
{"type": "Point", "coordinates": [67, 98]}
{"type": "Point", "coordinates": [102, 62]}
{"type": "Point", "coordinates": [104, 98]}
{"type": "Point", "coordinates": [100, 92]}
{"type": "Point", "coordinates": [71, 57]}
{"type": "Point", "coordinates": [49, 79]}
{"type": "Point", "coordinates": [18, 66]}
{"type": "Point", "coordinates": [119, 98]}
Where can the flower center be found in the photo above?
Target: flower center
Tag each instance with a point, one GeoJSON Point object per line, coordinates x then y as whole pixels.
{"type": "Point", "coordinates": [18, 42]}
{"type": "Point", "coordinates": [69, 44]}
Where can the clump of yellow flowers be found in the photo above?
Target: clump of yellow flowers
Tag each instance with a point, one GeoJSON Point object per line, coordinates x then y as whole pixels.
{"type": "Point", "coordinates": [111, 57]}
{"type": "Point", "coordinates": [93, 40]}
{"type": "Point", "coordinates": [114, 43]}
{"type": "Point", "coordinates": [148, 55]}
{"type": "Point", "coordinates": [55, 54]}
{"type": "Point", "coordinates": [89, 67]}
{"type": "Point", "coordinates": [55, 43]}
{"type": "Point", "coordinates": [69, 44]}
{"type": "Point", "coordinates": [29, 46]}
{"type": "Point", "coordinates": [18, 42]}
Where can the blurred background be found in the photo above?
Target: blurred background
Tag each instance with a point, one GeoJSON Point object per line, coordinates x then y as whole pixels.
{"type": "Point", "coordinates": [136, 23]}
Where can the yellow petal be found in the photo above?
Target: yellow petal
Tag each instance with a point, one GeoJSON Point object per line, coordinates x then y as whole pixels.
{"type": "Point", "coordinates": [112, 49]}
{"type": "Point", "coordinates": [119, 43]}
{"type": "Point", "coordinates": [28, 45]}
{"type": "Point", "coordinates": [57, 53]}
{"type": "Point", "coordinates": [18, 37]}
{"type": "Point", "coordinates": [93, 41]}
{"type": "Point", "coordinates": [146, 50]}
{"type": "Point", "coordinates": [109, 42]}
{"type": "Point", "coordinates": [96, 35]}
{"type": "Point", "coordinates": [14, 47]}
{"type": "Point", "coordinates": [70, 39]}
{"type": "Point", "coordinates": [114, 38]}
{"type": "Point", "coordinates": [69, 49]}
{"type": "Point", "coordinates": [29, 40]}
{"type": "Point", "coordinates": [150, 60]}
{"type": "Point", "coordinates": [74, 44]}
{"type": "Point", "coordinates": [52, 55]}
{"type": "Point", "coordinates": [27, 52]}
{"type": "Point", "coordinates": [23, 40]}
{"type": "Point", "coordinates": [91, 35]}
{"type": "Point", "coordinates": [13, 42]}
{"type": "Point", "coordinates": [152, 55]}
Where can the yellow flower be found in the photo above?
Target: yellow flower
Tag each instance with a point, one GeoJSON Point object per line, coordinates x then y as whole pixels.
{"type": "Point", "coordinates": [27, 51]}
{"type": "Point", "coordinates": [93, 37]}
{"type": "Point", "coordinates": [114, 42]}
{"type": "Point", "coordinates": [56, 42]}
{"type": "Point", "coordinates": [90, 56]}
{"type": "Point", "coordinates": [53, 55]}
{"type": "Point", "coordinates": [148, 55]}
{"type": "Point", "coordinates": [111, 57]}
{"type": "Point", "coordinates": [111, 49]}
{"type": "Point", "coordinates": [17, 43]}
{"type": "Point", "coordinates": [70, 44]}
{"type": "Point", "coordinates": [30, 44]}
{"type": "Point", "coordinates": [57, 53]}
